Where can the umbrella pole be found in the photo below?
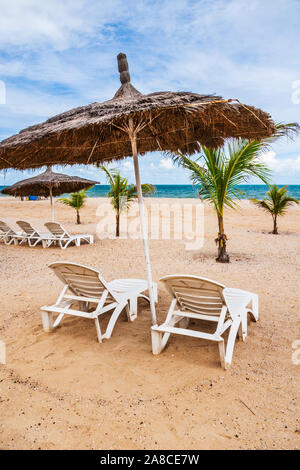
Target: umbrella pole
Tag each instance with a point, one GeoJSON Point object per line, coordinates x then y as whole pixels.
{"type": "Point", "coordinates": [143, 227]}
{"type": "Point", "coordinates": [51, 202]}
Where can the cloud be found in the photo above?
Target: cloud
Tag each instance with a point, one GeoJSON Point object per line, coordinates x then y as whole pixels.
{"type": "Point", "coordinates": [279, 165]}
{"type": "Point", "coordinates": [58, 55]}
{"type": "Point", "coordinates": [31, 24]}
{"type": "Point", "coordinates": [128, 165]}
{"type": "Point", "coordinates": [166, 163]}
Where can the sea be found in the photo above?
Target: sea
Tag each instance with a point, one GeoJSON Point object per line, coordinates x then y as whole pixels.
{"type": "Point", "coordinates": [257, 191]}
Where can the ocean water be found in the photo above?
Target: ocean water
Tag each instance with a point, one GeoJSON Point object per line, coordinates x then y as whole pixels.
{"type": "Point", "coordinates": [257, 191]}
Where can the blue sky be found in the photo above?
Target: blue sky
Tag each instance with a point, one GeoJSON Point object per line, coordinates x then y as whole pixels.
{"type": "Point", "coordinates": [61, 54]}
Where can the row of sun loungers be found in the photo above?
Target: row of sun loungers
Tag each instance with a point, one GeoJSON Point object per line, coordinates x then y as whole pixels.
{"type": "Point", "coordinates": [86, 294]}
{"type": "Point", "coordinates": [56, 235]}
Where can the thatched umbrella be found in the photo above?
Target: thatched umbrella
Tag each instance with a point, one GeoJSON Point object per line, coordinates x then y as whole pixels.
{"type": "Point", "coordinates": [49, 184]}
{"type": "Point", "coordinates": [133, 123]}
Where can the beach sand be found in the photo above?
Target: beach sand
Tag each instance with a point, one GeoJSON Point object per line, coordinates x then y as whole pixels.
{"type": "Point", "coordinates": [64, 390]}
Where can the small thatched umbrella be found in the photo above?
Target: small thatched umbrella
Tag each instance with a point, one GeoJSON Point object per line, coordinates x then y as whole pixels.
{"type": "Point", "coordinates": [133, 123]}
{"type": "Point", "coordinates": [49, 184]}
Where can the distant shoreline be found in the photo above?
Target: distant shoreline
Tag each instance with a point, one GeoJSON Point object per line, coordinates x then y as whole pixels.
{"type": "Point", "coordinates": [186, 191]}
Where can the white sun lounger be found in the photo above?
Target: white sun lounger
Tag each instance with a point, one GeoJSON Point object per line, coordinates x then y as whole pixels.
{"type": "Point", "coordinates": [86, 294]}
{"type": "Point", "coordinates": [9, 236]}
{"type": "Point", "coordinates": [34, 236]}
{"type": "Point", "coordinates": [197, 298]}
{"type": "Point", "coordinates": [63, 238]}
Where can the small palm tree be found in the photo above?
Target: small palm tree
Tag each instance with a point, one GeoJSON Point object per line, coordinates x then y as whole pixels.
{"type": "Point", "coordinates": [276, 203]}
{"type": "Point", "coordinates": [224, 169]}
{"type": "Point", "coordinates": [75, 200]}
{"type": "Point", "coordinates": [217, 177]}
{"type": "Point", "coordinates": [121, 194]}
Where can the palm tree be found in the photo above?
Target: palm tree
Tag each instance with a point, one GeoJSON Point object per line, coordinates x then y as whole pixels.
{"type": "Point", "coordinates": [121, 194]}
{"type": "Point", "coordinates": [76, 200]}
{"type": "Point", "coordinates": [224, 169]}
{"type": "Point", "coordinates": [276, 203]}
{"type": "Point", "coordinates": [220, 172]}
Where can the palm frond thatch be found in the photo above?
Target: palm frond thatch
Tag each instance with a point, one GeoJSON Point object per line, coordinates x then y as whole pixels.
{"type": "Point", "coordinates": [40, 185]}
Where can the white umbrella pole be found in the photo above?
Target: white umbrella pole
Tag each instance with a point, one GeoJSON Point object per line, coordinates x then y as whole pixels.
{"type": "Point", "coordinates": [143, 228]}
{"type": "Point", "coordinates": [51, 202]}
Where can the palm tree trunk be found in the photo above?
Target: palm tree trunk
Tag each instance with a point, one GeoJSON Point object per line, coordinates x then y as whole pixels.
{"type": "Point", "coordinates": [78, 217]}
{"type": "Point", "coordinates": [117, 224]}
{"type": "Point", "coordinates": [275, 227]}
{"type": "Point", "coordinates": [223, 256]}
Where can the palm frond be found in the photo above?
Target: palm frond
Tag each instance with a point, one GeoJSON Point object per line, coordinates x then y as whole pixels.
{"type": "Point", "coordinates": [75, 200]}
{"type": "Point", "coordinates": [120, 193]}
{"type": "Point", "coordinates": [276, 201]}
{"type": "Point", "coordinates": [221, 171]}
{"type": "Point", "coordinates": [289, 130]}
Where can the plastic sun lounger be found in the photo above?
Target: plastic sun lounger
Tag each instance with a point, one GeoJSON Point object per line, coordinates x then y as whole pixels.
{"type": "Point", "coordinates": [63, 238]}
{"type": "Point", "coordinates": [33, 235]}
{"type": "Point", "coordinates": [86, 287]}
{"type": "Point", "coordinates": [9, 236]}
{"type": "Point", "coordinates": [197, 298]}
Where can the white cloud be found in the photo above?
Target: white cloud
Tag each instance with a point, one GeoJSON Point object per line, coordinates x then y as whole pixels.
{"type": "Point", "coordinates": [279, 165]}
{"type": "Point", "coordinates": [34, 24]}
{"type": "Point", "coordinates": [128, 165]}
{"type": "Point", "coordinates": [166, 163]}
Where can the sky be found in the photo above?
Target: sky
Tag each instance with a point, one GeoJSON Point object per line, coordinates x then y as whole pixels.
{"type": "Point", "coordinates": [57, 55]}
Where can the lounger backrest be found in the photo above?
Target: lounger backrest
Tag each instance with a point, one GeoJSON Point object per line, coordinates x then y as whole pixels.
{"type": "Point", "coordinates": [82, 281]}
{"type": "Point", "coordinates": [56, 229]}
{"type": "Point", "coordinates": [196, 294]}
{"type": "Point", "coordinates": [5, 228]}
{"type": "Point", "coordinates": [26, 227]}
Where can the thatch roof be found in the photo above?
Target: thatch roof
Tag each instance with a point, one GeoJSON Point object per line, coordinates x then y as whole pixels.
{"type": "Point", "coordinates": [171, 121]}
{"type": "Point", "coordinates": [40, 185]}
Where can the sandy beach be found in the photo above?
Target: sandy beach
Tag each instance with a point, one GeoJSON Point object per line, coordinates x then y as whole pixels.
{"type": "Point", "coordinates": [64, 390]}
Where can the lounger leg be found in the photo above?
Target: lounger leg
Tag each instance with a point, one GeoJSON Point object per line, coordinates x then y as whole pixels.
{"type": "Point", "coordinates": [156, 337]}
{"type": "Point", "coordinates": [9, 241]}
{"type": "Point", "coordinates": [58, 320]}
{"type": "Point", "coordinates": [34, 243]}
{"type": "Point", "coordinates": [244, 326]}
{"type": "Point", "coordinates": [99, 335]}
{"type": "Point", "coordinates": [113, 320]}
{"type": "Point", "coordinates": [159, 341]}
{"type": "Point", "coordinates": [133, 302]}
{"type": "Point", "coordinates": [231, 342]}
{"type": "Point", "coordinates": [64, 246]}
{"type": "Point", "coordinates": [222, 353]}
{"type": "Point", "coordinates": [255, 307]}
{"type": "Point", "coordinates": [47, 321]}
